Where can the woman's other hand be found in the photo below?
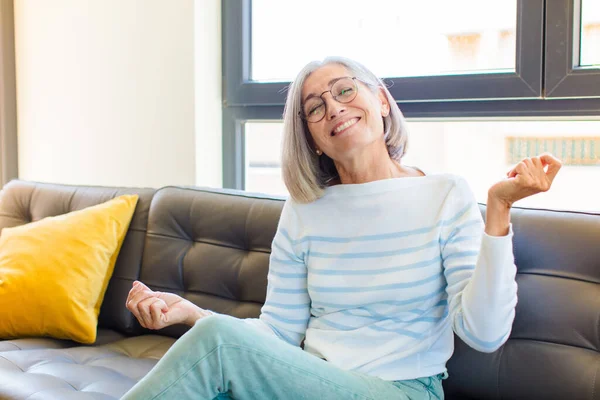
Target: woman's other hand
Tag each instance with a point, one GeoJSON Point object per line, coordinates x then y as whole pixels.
{"type": "Point", "coordinates": [527, 178]}
{"type": "Point", "coordinates": [157, 310]}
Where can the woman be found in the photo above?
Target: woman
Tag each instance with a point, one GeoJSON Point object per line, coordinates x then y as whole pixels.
{"type": "Point", "coordinates": [374, 265]}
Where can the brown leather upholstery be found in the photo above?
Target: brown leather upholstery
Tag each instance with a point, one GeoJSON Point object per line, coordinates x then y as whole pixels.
{"type": "Point", "coordinates": [212, 247]}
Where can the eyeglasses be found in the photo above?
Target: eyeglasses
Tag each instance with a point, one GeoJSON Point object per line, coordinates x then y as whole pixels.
{"type": "Point", "coordinates": [343, 90]}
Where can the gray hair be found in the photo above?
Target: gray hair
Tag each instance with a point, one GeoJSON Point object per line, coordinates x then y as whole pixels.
{"type": "Point", "coordinates": [306, 174]}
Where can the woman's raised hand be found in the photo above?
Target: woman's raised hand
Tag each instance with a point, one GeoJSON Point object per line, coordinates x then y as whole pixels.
{"type": "Point", "coordinates": [527, 178]}
{"type": "Point", "coordinates": [157, 310]}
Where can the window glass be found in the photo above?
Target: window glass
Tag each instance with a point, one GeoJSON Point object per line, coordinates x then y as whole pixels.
{"type": "Point", "coordinates": [590, 33]}
{"type": "Point", "coordinates": [481, 151]}
{"type": "Point", "coordinates": [459, 36]}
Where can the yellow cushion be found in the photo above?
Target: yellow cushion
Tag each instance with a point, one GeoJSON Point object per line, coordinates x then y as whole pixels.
{"type": "Point", "coordinates": [54, 272]}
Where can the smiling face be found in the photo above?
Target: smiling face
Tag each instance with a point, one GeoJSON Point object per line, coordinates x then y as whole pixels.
{"type": "Point", "coordinates": [346, 128]}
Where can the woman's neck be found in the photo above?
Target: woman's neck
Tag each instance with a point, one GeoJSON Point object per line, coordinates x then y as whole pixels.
{"type": "Point", "coordinates": [363, 172]}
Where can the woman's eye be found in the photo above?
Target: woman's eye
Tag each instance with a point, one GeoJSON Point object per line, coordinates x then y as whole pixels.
{"type": "Point", "coordinates": [315, 109]}
{"type": "Point", "coordinates": [346, 91]}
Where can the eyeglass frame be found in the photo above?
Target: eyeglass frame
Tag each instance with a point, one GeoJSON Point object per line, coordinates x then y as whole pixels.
{"type": "Point", "coordinates": [301, 113]}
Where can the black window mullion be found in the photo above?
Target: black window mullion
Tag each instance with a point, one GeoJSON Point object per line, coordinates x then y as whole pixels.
{"type": "Point", "coordinates": [563, 77]}
{"type": "Point", "coordinates": [525, 82]}
{"type": "Point", "coordinates": [234, 154]}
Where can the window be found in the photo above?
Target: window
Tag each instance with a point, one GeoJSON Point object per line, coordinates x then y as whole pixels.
{"type": "Point", "coordinates": [457, 58]}
{"type": "Point", "coordinates": [482, 40]}
{"type": "Point", "coordinates": [481, 151]}
{"type": "Point", "coordinates": [484, 75]}
{"type": "Point", "coordinates": [590, 33]}
{"type": "Point", "coordinates": [263, 158]}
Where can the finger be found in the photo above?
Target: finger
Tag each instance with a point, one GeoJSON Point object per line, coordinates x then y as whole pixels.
{"type": "Point", "coordinates": [537, 163]}
{"type": "Point", "coordinates": [143, 295]}
{"type": "Point", "coordinates": [548, 158]}
{"type": "Point", "coordinates": [136, 313]}
{"type": "Point", "coordinates": [152, 312]}
{"type": "Point", "coordinates": [130, 303]}
{"type": "Point", "coordinates": [136, 288]}
{"type": "Point", "coordinates": [553, 163]}
{"type": "Point", "coordinates": [528, 163]}
{"type": "Point", "coordinates": [520, 168]}
{"type": "Point", "coordinates": [132, 307]}
{"type": "Point", "coordinates": [140, 285]}
{"type": "Point", "coordinates": [157, 311]}
{"type": "Point", "coordinates": [133, 304]}
{"type": "Point", "coordinates": [143, 308]}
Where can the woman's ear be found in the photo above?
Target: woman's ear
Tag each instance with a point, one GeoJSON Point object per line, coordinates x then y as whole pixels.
{"type": "Point", "coordinates": [385, 110]}
{"type": "Point", "coordinates": [385, 105]}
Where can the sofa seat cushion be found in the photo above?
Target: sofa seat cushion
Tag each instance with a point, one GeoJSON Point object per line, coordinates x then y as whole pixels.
{"type": "Point", "coordinates": [104, 371]}
{"type": "Point", "coordinates": [103, 336]}
{"type": "Point", "coordinates": [33, 343]}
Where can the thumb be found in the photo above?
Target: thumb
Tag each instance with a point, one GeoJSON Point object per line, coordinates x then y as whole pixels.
{"type": "Point", "coordinates": [163, 305]}
{"type": "Point", "coordinates": [553, 163]}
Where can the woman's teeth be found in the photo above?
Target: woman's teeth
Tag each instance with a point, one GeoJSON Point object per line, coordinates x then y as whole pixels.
{"type": "Point", "coordinates": [344, 126]}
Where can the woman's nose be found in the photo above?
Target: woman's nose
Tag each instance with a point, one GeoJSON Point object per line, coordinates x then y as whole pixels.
{"type": "Point", "coordinates": [334, 108]}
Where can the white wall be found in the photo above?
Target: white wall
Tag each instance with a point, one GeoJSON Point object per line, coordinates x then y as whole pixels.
{"type": "Point", "coordinates": [106, 92]}
{"type": "Point", "coordinates": [209, 148]}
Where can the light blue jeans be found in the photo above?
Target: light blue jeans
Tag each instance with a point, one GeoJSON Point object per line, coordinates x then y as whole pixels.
{"type": "Point", "coordinates": [222, 357]}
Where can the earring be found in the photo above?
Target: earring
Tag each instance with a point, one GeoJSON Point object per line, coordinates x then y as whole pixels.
{"type": "Point", "coordinates": [319, 152]}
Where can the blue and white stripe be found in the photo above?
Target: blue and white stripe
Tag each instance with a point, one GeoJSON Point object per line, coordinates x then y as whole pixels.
{"type": "Point", "coordinates": [371, 261]}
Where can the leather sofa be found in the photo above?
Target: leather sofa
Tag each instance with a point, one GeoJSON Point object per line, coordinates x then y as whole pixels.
{"type": "Point", "coordinates": [212, 247]}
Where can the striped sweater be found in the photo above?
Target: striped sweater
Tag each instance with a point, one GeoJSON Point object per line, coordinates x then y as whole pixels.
{"type": "Point", "coordinates": [376, 277]}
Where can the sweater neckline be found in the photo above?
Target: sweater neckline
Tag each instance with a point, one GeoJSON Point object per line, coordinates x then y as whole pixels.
{"type": "Point", "coordinates": [382, 185]}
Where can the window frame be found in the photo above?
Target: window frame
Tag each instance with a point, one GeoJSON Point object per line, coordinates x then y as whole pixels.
{"type": "Point", "coordinates": [563, 76]}
{"type": "Point", "coordinates": [525, 82]}
{"type": "Point", "coordinates": [447, 96]}
{"type": "Point", "coordinates": [234, 142]}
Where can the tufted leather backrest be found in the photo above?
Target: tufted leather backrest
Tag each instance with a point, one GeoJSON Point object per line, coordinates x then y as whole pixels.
{"type": "Point", "coordinates": [22, 202]}
{"type": "Point", "coordinates": [553, 351]}
{"type": "Point", "coordinates": [212, 247]}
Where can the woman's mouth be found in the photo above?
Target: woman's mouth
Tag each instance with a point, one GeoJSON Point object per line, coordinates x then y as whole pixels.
{"type": "Point", "coordinates": [342, 127]}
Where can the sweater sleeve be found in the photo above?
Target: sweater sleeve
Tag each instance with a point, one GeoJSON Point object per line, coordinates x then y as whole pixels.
{"type": "Point", "coordinates": [287, 306]}
{"type": "Point", "coordinates": [480, 273]}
